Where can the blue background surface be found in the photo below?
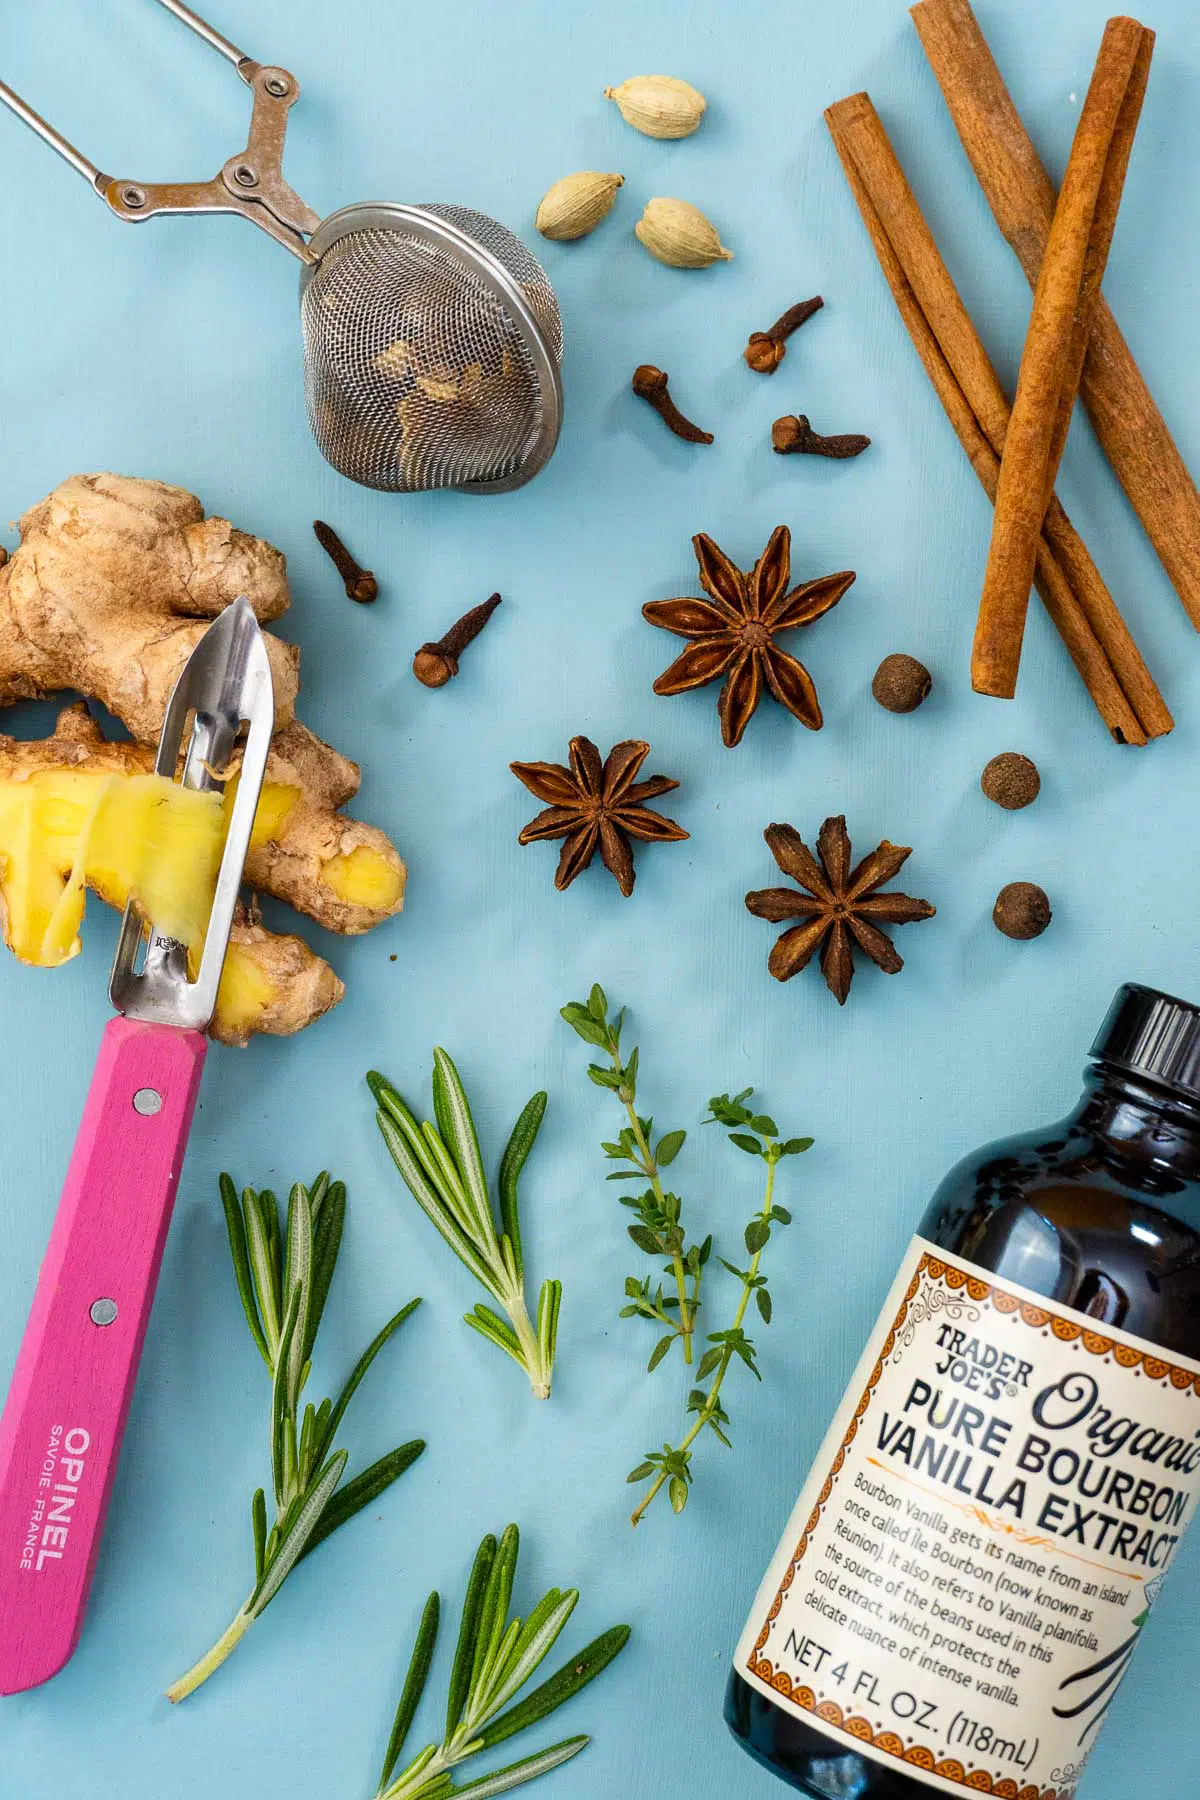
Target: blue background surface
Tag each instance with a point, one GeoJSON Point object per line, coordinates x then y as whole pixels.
{"type": "Point", "coordinates": [172, 351]}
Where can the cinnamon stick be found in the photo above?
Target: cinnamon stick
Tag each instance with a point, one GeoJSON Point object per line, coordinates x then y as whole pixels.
{"type": "Point", "coordinates": [1078, 602]}
{"type": "Point", "coordinates": [1131, 430]}
{"type": "Point", "coordinates": [1052, 359]}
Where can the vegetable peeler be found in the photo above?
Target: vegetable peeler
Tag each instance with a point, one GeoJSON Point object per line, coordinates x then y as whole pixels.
{"type": "Point", "coordinates": [60, 1434]}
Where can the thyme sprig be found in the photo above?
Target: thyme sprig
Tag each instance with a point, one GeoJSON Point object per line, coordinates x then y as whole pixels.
{"type": "Point", "coordinates": [283, 1275]}
{"type": "Point", "coordinates": [494, 1658]}
{"type": "Point", "coordinates": [443, 1170]}
{"type": "Point", "coordinates": [757, 1135]}
{"type": "Point", "coordinates": [659, 1231]}
{"type": "Point", "coordinates": [658, 1227]}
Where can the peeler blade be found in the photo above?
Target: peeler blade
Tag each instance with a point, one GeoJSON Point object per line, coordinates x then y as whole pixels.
{"type": "Point", "coordinates": [225, 684]}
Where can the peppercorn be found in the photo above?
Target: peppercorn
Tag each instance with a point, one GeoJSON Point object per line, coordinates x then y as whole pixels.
{"type": "Point", "coordinates": [901, 683]}
{"type": "Point", "coordinates": [1011, 780]}
{"type": "Point", "coordinates": [1021, 910]}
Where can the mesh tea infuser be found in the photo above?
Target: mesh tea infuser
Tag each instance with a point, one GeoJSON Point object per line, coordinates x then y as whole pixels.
{"type": "Point", "coordinates": [432, 338]}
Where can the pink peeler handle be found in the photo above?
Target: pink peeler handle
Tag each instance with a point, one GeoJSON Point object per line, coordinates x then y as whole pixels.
{"type": "Point", "coordinates": [60, 1435]}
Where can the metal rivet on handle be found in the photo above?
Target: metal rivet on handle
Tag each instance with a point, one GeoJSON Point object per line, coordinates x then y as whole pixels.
{"type": "Point", "coordinates": [147, 1101]}
{"type": "Point", "coordinates": [276, 85]}
{"type": "Point", "coordinates": [102, 1312]}
{"type": "Point", "coordinates": [134, 197]}
{"type": "Point", "coordinates": [245, 176]}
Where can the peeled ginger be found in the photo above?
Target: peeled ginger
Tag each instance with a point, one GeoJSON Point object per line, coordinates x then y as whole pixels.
{"type": "Point", "coordinates": [63, 830]}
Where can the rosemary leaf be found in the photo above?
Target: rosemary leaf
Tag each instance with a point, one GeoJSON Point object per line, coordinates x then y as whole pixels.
{"type": "Point", "coordinates": [531, 1649]}
{"type": "Point", "coordinates": [463, 1143]}
{"type": "Point", "coordinates": [558, 1688]}
{"type": "Point", "coordinates": [464, 1654]}
{"type": "Point", "coordinates": [258, 1524]}
{"type": "Point", "coordinates": [414, 1686]}
{"type": "Point", "coordinates": [236, 1226]}
{"type": "Point", "coordinates": [516, 1153]}
{"type": "Point", "coordinates": [493, 1608]}
{"type": "Point", "coordinates": [361, 1366]}
{"type": "Point", "coordinates": [517, 1774]}
{"type": "Point", "coordinates": [328, 1223]}
{"type": "Point", "coordinates": [360, 1492]}
{"type": "Point", "coordinates": [297, 1279]}
{"type": "Point", "coordinates": [280, 1400]}
{"type": "Point", "coordinates": [489, 1325]}
{"type": "Point", "coordinates": [262, 1261]}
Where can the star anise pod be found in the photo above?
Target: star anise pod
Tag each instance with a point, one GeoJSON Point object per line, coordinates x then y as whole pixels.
{"type": "Point", "coordinates": [734, 632]}
{"type": "Point", "coordinates": [597, 805]}
{"type": "Point", "coordinates": [840, 906]}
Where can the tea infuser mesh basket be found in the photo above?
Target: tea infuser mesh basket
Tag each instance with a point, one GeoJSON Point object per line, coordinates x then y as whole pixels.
{"type": "Point", "coordinates": [432, 337]}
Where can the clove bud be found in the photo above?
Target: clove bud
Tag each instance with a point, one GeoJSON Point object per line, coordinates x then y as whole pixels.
{"type": "Point", "coordinates": [767, 349]}
{"type": "Point", "coordinates": [359, 583]}
{"type": "Point", "coordinates": [650, 384]}
{"type": "Point", "coordinates": [436, 664]}
{"type": "Point", "coordinates": [793, 433]}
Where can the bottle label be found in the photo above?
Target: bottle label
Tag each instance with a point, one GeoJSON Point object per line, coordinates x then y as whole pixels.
{"type": "Point", "coordinates": [971, 1562]}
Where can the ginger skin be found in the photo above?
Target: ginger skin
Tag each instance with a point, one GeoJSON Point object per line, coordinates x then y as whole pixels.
{"type": "Point", "coordinates": [112, 587]}
{"type": "Point", "coordinates": [114, 581]}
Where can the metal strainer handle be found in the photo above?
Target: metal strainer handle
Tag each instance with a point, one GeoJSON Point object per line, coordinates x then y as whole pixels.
{"type": "Point", "coordinates": [250, 184]}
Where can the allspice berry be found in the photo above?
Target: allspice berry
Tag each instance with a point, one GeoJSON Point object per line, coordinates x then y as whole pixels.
{"type": "Point", "coordinates": [1021, 910]}
{"type": "Point", "coordinates": [1011, 780]}
{"type": "Point", "coordinates": [901, 683]}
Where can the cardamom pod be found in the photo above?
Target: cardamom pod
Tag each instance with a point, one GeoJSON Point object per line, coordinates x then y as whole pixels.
{"type": "Point", "coordinates": [576, 204]}
{"type": "Point", "coordinates": [660, 105]}
{"type": "Point", "coordinates": [680, 235]}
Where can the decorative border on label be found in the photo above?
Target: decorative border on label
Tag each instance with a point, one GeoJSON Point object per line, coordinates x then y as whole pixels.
{"type": "Point", "coordinates": [1067, 1330]}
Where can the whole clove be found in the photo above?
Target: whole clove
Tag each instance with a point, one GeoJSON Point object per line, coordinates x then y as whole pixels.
{"type": "Point", "coordinates": [650, 384]}
{"type": "Point", "coordinates": [794, 434]}
{"type": "Point", "coordinates": [767, 349]}
{"type": "Point", "coordinates": [436, 664]}
{"type": "Point", "coordinates": [359, 583]}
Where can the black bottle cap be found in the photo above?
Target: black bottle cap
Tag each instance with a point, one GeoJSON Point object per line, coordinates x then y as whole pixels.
{"type": "Point", "coordinates": [1154, 1035]}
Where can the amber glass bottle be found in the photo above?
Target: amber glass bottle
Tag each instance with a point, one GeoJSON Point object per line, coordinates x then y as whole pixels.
{"type": "Point", "coordinates": [986, 1527]}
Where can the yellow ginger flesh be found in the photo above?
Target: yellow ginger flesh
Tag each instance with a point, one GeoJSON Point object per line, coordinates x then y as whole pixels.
{"type": "Point", "coordinates": [64, 830]}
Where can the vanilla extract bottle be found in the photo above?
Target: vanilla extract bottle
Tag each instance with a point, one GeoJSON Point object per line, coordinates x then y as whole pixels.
{"type": "Point", "coordinates": [971, 1562]}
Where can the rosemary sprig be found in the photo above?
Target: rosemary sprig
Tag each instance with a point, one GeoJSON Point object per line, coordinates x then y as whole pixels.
{"type": "Point", "coordinates": [671, 1467]}
{"type": "Point", "coordinates": [658, 1229]}
{"type": "Point", "coordinates": [443, 1169]}
{"type": "Point", "coordinates": [494, 1658]}
{"type": "Point", "coordinates": [283, 1276]}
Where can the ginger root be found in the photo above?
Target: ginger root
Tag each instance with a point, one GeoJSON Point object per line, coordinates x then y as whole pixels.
{"type": "Point", "coordinates": [114, 581]}
{"type": "Point", "coordinates": [74, 814]}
